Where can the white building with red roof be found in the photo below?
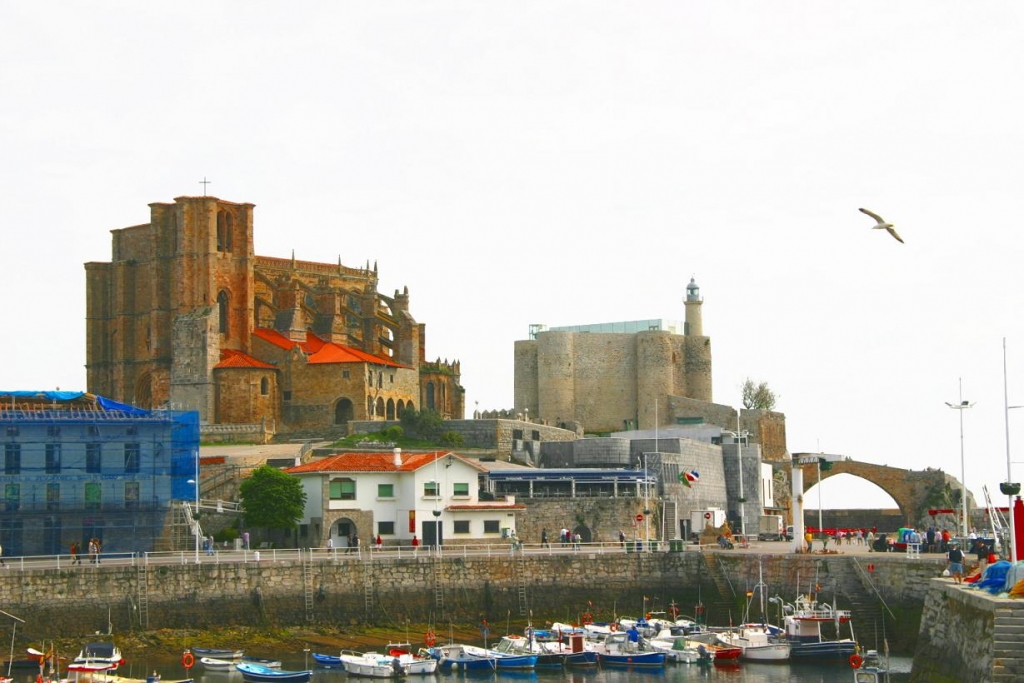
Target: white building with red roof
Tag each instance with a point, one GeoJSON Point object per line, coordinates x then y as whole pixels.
{"type": "Point", "coordinates": [434, 497]}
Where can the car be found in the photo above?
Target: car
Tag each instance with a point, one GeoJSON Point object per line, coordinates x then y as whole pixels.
{"type": "Point", "coordinates": [789, 533]}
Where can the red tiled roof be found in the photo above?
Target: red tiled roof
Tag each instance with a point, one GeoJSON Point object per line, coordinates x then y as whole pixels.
{"type": "Point", "coordinates": [232, 358]}
{"type": "Point", "coordinates": [374, 462]}
{"type": "Point", "coordinates": [320, 351]}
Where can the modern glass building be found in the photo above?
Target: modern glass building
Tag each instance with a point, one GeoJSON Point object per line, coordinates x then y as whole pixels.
{"type": "Point", "coordinates": [78, 466]}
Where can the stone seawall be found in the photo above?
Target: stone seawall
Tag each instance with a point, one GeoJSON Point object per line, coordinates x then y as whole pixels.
{"type": "Point", "coordinates": [425, 589]}
{"type": "Point", "coordinates": [969, 635]}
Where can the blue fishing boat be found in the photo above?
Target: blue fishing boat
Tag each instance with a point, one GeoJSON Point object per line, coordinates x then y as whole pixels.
{"type": "Point", "coordinates": [618, 650]}
{"type": "Point", "coordinates": [265, 674]}
{"type": "Point", "coordinates": [327, 660]}
{"type": "Point", "coordinates": [455, 657]}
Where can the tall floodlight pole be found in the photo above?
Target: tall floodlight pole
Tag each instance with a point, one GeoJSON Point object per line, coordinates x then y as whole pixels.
{"type": "Point", "coordinates": [961, 407]}
{"type": "Point", "coordinates": [1011, 551]}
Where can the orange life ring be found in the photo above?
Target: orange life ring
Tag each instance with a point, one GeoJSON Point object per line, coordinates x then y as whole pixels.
{"type": "Point", "coordinates": [430, 639]}
{"type": "Point", "coordinates": [673, 612]}
{"type": "Point", "coordinates": [187, 660]}
{"type": "Point", "coordinates": [856, 660]}
{"type": "Point", "coordinates": [587, 618]}
{"type": "Point", "coordinates": [698, 609]}
{"type": "Point", "coordinates": [613, 627]}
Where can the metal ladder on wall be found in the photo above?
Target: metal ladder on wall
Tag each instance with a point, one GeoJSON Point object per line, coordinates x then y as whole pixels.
{"type": "Point", "coordinates": [521, 581]}
{"type": "Point", "coordinates": [999, 529]}
{"type": "Point", "coordinates": [438, 587]}
{"type": "Point", "coordinates": [143, 597]}
{"type": "Point", "coordinates": [307, 582]}
{"type": "Point", "coordinates": [368, 586]}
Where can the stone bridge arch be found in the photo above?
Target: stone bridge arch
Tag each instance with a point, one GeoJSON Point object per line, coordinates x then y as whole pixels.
{"type": "Point", "coordinates": [914, 491]}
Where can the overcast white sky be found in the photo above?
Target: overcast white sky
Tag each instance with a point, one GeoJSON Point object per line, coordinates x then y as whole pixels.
{"type": "Point", "coordinates": [566, 163]}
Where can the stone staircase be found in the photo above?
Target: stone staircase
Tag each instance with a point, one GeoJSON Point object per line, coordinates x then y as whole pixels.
{"type": "Point", "coordinates": [717, 593]}
{"type": "Point", "coordinates": [850, 584]}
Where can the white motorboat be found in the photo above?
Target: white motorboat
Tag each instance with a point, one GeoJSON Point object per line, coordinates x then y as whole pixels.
{"type": "Point", "coordinates": [396, 663]}
{"type": "Point", "coordinates": [757, 644]}
{"type": "Point", "coordinates": [673, 642]}
{"type": "Point", "coordinates": [102, 654]}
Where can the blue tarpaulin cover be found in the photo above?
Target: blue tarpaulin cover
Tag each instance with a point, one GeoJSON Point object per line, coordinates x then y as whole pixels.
{"type": "Point", "coordinates": [104, 402]}
{"type": "Point", "coordinates": [994, 578]}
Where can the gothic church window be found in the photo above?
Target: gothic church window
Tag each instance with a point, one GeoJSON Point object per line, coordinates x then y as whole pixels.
{"type": "Point", "coordinates": [222, 304]}
{"type": "Point", "coordinates": [264, 386]}
{"type": "Point", "coordinates": [224, 230]}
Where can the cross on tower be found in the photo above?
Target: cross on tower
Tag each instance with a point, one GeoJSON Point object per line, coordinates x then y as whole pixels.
{"type": "Point", "coordinates": [204, 182]}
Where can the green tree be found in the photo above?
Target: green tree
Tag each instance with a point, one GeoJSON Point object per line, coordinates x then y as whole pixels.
{"type": "Point", "coordinates": [758, 396]}
{"type": "Point", "coordinates": [424, 424]}
{"type": "Point", "coordinates": [272, 499]}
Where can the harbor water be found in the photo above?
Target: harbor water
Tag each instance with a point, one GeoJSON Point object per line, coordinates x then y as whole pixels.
{"type": "Point", "coordinates": [745, 672]}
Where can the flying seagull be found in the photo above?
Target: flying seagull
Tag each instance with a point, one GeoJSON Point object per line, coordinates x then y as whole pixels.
{"type": "Point", "coordinates": [882, 225]}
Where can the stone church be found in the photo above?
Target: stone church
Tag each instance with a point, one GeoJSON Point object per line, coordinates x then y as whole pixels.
{"type": "Point", "coordinates": [186, 316]}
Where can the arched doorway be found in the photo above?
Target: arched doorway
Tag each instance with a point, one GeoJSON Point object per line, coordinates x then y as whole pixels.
{"type": "Point", "coordinates": [144, 391]}
{"type": "Point", "coordinates": [342, 532]}
{"type": "Point", "coordinates": [343, 411]}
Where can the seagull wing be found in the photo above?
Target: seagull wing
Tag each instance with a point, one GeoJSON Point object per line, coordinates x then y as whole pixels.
{"type": "Point", "coordinates": [892, 231]}
{"type": "Point", "coordinates": [873, 215]}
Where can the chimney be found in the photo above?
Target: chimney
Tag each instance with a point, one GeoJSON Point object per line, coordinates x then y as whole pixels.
{"type": "Point", "coordinates": [398, 458]}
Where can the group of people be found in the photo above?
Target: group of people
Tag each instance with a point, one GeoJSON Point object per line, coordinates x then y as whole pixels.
{"type": "Point", "coordinates": [93, 546]}
{"type": "Point", "coordinates": [565, 537]}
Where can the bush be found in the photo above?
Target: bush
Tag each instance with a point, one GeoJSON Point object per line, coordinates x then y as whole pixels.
{"type": "Point", "coordinates": [229, 535]}
{"type": "Point", "coordinates": [451, 439]}
{"type": "Point", "coordinates": [393, 433]}
{"type": "Point", "coordinates": [425, 424]}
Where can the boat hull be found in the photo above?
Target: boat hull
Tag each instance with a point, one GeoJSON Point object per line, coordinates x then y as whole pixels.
{"type": "Point", "coordinates": [264, 674]}
{"type": "Point", "coordinates": [634, 660]}
{"type": "Point", "coordinates": [827, 649]}
{"type": "Point", "coordinates": [584, 659]}
{"type": "Point", "coordinates": [326, 660]}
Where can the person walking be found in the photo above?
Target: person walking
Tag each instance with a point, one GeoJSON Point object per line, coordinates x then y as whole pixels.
{"type": "Point", "coordinates": [544, 538]}
{"type": "Point", "coordinates": [415, 544]}
{"type": "Point", "coordinates": [75, 559]}
{"type": "Point", "coordinates": [955, 559]}
{"type": "Point", "coordinates": [245, 540]}
{"type": "Point", "coordinates": [2, 563]}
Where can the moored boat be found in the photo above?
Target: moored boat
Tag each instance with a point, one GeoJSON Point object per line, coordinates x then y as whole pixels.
{"type": "Point", "coordinates": [545, 657]}
{"type": "Point", "coordinates": [871, 668]}
{"type": "Point", "coordinates": [618, 650]}
{"type": "Point", "coordinates": [458, 657]}
{"type": "Point", "coordinates": [396, 663]}
{"type": "Point", "coordinates": [100, 653]}
{"type": "Point", "coordinates": [265, 674]}
{"type": "Point", "coordinates": [214, 664]}
{"type": "Point", "coordinates": [327, 660]}
{"type": "Point", "coordinates": [803, 621]}
{"type": "Point", "coordinates": [217, 652]}
{"type": "Point", "coordinates": [756, 644]}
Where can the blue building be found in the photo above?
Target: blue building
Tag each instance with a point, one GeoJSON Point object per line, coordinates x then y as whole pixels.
{"type": "Point", "coordinates": [79, 466]}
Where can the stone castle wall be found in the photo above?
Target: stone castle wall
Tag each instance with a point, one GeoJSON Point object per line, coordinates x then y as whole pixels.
{"type": "Point", "coordinates": [559, 586]}
{"type": "Point", "coordinates": [969, 635]}
{"type": "Point", "coordinates": [609, 381]}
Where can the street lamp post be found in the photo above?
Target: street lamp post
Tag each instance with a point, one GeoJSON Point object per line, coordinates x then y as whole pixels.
{"type": "Point", "coordinates": [961, 407]}
{"type": "Point", "coordinates": [195, 517]}
{"type": "Point", "coordinates": [738, 436]}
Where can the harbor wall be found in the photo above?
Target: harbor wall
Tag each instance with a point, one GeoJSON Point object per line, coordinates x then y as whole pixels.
{"type": "Point", "coordinates": [886, 594]}
{"type": "Point", "coordinates": [969, 635]}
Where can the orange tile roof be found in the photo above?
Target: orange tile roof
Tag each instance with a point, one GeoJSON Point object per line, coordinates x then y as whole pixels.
{"type": "Point", "coordinates": [232, 358]}
{"type": "Point", "coordinates": [375, 462]}
{"type": "Point", "coordinates": [320, 351]}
